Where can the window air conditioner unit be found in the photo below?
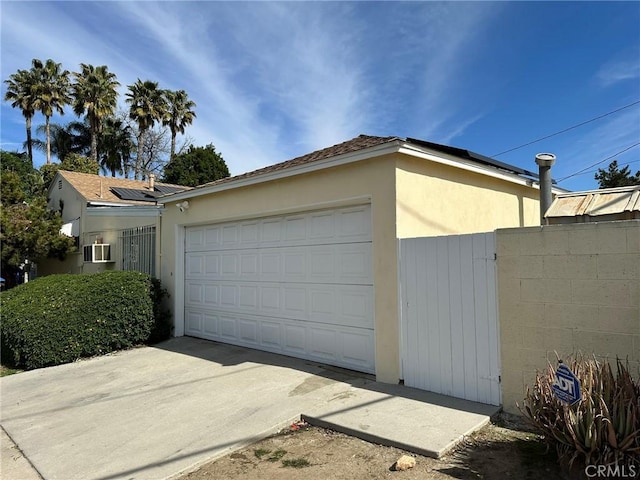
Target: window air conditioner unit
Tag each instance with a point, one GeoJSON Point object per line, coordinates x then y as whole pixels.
{"type": "Point", "coordinates": [97, 253]}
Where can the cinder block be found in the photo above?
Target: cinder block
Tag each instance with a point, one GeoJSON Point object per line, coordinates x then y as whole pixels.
{"type": "Point", "coordinates": [611, 238]}
{"type": "Point", "coordinates": [583, 241]}
{"type": "Point", "coordinates": [546, 290]}
{"type": "Point", "coordinates": [508, 290]}
{"type": "Point", "coordinates": [571, 316]}
{"type": "Point", "coordinates": [559, 339]}
{"type": "Point", "coordinates": [618, 266]}
{"type": "Point", "coordinates": [601, 292]}
{"type": "Point", "coordinates": [633, 238]}
{"type": "Point", "coordinates": [511, 333]}
{"type": "Point", "coordinates": [512, 379]}
{"type": "Point", "coordinates": [530, 266]}
{"type": "Point", "coordinates": [618, 320]}
{"type": "Point", "coordinates": [507, 243]}
{"type": "Point", "coordinates": [521, 314]}
{"type": "Point", "coordinates": [549, 241]}
{"type": "Point", "coordinates": [634, 294]}
{"type": "Point", "coordinates": [519, 358]}
{"type": "Point", "coordinates": [509, 399]}
{"type": "Point", "coordinates": [605, 344]}
{"type": "Point", "coordinates": [570, 266]}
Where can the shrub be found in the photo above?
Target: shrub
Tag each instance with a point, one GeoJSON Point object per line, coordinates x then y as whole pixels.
{"type": "Point", "coordinates": [603, 428]}
{"type": "Point", "coordinates": [60, 318]}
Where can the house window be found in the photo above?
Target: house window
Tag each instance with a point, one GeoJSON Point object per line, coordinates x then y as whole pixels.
{"type": "Point", "coordinates": [97, 253]}
{"type": "Point", "coordinates": [59, 184]}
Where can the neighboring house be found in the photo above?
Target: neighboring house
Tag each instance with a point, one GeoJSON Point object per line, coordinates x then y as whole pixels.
{"type": "Point", "coordinates": [114, 222]}
{"type": "Point", "coordinates": [301, 258]}
{"type": "Point", "coordinates": [604, 205]}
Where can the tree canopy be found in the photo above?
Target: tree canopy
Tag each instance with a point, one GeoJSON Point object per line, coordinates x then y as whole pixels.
{"type": "Point", "coordinates": [615, 176]}
{"type": "Point", "coordinates": [196, 166]}
{"type": "Point", "coordinates": [29, 231]}
{"type": "Point", "coordinates": [46, 88]}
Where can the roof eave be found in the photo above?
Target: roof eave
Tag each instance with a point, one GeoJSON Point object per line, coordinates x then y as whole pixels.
{"type": "Point", "coordinates": [377, 150]}
{"type": "Point", "coordinates": [469, 165]}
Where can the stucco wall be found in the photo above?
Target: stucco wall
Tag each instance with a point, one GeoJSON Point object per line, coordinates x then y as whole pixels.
{"type": "Point", "coordinates": [355, 183]}
{"type": "Point", "coordinates": [436, 199]}
{"type": "Point", "coordinates": [566, 288]}
{"type": "Point", "coordinates": [105, 225]}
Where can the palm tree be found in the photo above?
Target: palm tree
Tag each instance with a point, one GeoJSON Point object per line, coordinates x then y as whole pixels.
{"type": "Point", "coordinates": [178, 115]}
{"type": "Point", "coordinates": [115, 146]}
{"type": "Point", "coordinates": [94, 92]}
{"type": "Point", "coordinates": [51, 92]}
{"type": "Point", "coordinates": [147, 106]}
{"type": "Point", "coordinates": [20, 92]}
{"type": "Point", "coordinates": [65, 139]}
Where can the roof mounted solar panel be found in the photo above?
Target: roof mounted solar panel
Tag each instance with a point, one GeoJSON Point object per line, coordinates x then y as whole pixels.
{"type": "Point", "coordinates": [476, 157]}
{"type": "Point", "coordinates": [135, 195]}
{"type": "Point", "coordinates": [167, 189]}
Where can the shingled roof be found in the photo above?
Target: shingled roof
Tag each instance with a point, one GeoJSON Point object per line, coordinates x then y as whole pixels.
{"type": "Point", "coordinates": [95, 188]}
{"type": "Point", "coordinates": [355, 144]}
{"type": "Point", "coordinates": [358, 144]}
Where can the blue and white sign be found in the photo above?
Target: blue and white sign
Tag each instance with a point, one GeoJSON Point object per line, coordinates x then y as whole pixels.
{"type": "Point", "coordinates": [567, 386]}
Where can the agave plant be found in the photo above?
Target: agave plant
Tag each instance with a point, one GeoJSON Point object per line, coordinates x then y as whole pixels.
{"type": "Point", "coordinates": [603, 428]}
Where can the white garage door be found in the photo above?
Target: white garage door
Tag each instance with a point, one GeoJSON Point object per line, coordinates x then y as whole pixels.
{"type": "Point", "coordinates": [298, 284]}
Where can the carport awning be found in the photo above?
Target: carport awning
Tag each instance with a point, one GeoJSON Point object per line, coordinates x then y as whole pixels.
{"type": "Point", "coordinates": [71, 229]}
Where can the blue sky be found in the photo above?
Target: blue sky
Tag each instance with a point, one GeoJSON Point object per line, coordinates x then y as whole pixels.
{"type": "Point", "coordinates": [274, 80]}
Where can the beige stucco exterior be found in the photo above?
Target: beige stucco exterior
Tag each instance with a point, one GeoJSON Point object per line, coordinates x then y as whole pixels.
{"type": "Point", "coordinates": [435, 199]}
{"type": "Point", "coordinates": [96, 224]}
{"type": "Point", "coordinates": [408, 198]}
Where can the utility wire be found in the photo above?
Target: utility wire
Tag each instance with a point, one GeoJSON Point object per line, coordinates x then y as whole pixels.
{"type": "Point", "coordinates": [597, 163]}
{"type": "Point", "coordinates": [567, 129]}
{"type": "Point", "coordinates": [622, 165]}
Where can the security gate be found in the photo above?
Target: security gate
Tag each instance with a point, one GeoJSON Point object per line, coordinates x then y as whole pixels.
{"type": "Point", "coordinates": [449, 319]}
{"type": "Point", "coordinates": [138, 247]}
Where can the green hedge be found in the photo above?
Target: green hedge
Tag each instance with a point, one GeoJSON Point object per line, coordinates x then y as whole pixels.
{"type": "Point", "coordinates": [60, 318]}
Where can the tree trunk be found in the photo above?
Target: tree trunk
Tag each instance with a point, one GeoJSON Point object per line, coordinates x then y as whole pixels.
{"type": "Point", "coordinates": [48, 141]}
{"type": "Point", "coordinates": [29, 141]}
{"type": "Point", "coordinates": [136, 169]}
{"type": "Point", "coordinates": [94, 140]}
{"type": "Point", "coordinates": [173, 145]}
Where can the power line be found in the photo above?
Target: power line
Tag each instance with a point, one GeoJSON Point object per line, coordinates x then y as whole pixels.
{"type": "Point", "coordinates": [567, 129]}
{"type": "Point", "coordinates": [621, 165]}
{"type": "Point", "coordinates": [598, 163]}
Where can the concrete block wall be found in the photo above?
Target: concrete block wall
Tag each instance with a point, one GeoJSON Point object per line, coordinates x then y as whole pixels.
{"type": "Point", "coordinates": [566, 289]}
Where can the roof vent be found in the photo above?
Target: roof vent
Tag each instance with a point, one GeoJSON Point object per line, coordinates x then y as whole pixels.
{"type": "Point", "coordinates": [545, 161]}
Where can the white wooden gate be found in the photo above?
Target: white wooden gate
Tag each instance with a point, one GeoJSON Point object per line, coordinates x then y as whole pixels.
{"type": "Point", "coordinates": [449, 320]}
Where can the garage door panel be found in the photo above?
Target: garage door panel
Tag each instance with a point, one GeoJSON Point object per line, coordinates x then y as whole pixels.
{"type": "Point", "coordinates": [322, 344]}
{"type": "Point", "coordinates": [355, 223]}
{"type": "Point", "coordinates": [357, 349]}
{"type": "Point", "coordinates": [227, 327]}
{"type": "Point", "coordinates": [210, 324]}
{"type": "Point", "coordinates": [344, 346]}
{"type": "Point", "coordinates": [248, 331]}
{"type": "Point", "coordinates": [298, 284]}
{"type": "Point", "coordinates": [271, 335]}
{"type": "Point", "coordinates": [342, 264]}
{"type": "Point", "coordinates": [295, 339]}
{"type": "Point", "coordinates": [349, 305]}
{"type": "Point", "coordinates": [194, 322]}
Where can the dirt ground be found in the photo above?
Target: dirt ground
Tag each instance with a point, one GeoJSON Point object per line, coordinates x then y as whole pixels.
{"type": "Point", "coordinates": [502, 450]}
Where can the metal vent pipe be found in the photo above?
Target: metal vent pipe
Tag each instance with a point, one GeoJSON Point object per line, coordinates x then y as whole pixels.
{"type": "Point", "coordinates": [545, 161]}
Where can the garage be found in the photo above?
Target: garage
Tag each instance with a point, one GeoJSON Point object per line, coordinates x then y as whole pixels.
{"type": "Point", "coordinates": [299, 284]}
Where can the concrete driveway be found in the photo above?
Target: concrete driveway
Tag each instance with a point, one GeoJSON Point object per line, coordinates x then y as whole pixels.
{"type": "Point", "coordinates": [153, 412]}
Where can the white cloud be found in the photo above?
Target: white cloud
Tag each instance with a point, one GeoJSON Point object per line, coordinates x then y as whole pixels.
{"type": "Point", "coordinates": [620, 70]}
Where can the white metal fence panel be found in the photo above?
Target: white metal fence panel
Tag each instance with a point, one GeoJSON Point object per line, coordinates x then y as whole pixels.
{"type": "Point", "coordinates": [138, 247]}
{"type": "Point", "coordinates": [449, 318]}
